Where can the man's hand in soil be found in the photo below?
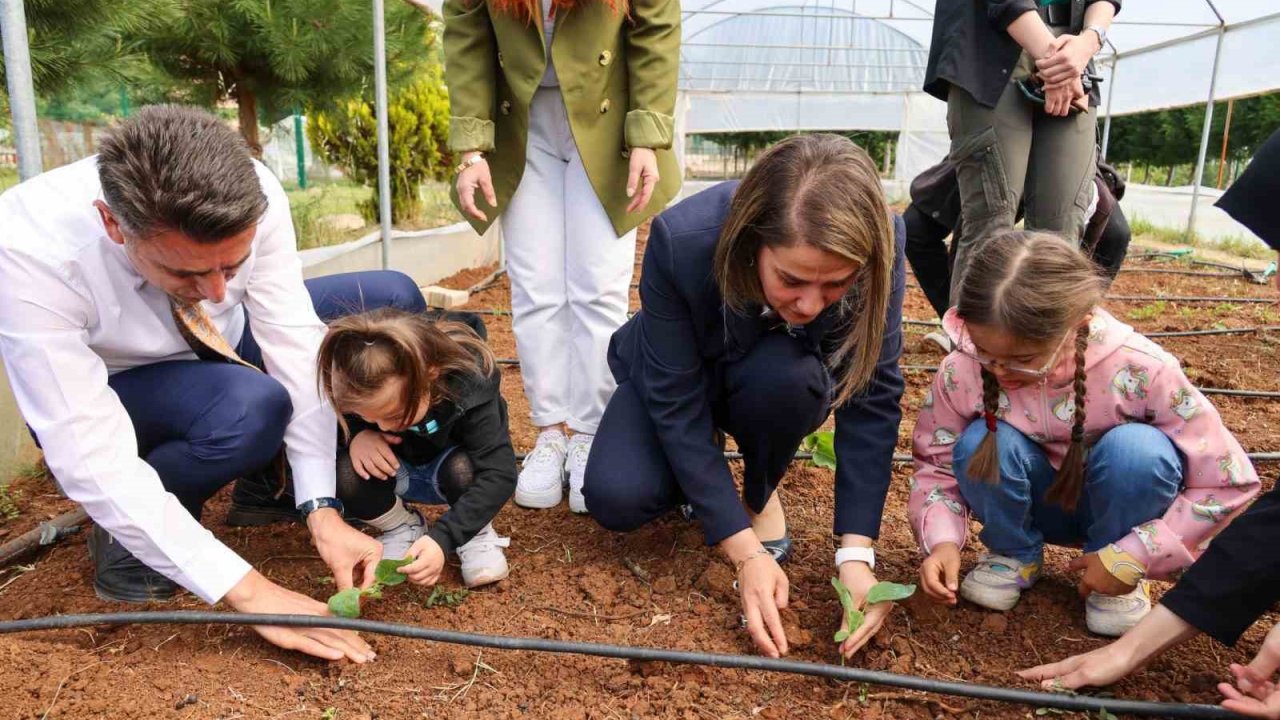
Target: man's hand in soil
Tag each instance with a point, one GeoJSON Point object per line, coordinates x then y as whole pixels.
{"type": "Point", "coordinates": [940, 574]}
{"type": "Point", "coordinates": [1254, 694]}
{"type": "Point", "coordinates": [1096, 578]}
{"type": "Point", "coordinates": [764, 589]}
{"type": "Point", "coordinates": [428, 562]}
{"type": "Point", "coordinates": [350, 554]}
{"type": "Point", "coordinates": [1157, 632]}
{"type": "Point", "coordinates": [859, 578]}
{"type": "Point", "coordinates": [256, 594]}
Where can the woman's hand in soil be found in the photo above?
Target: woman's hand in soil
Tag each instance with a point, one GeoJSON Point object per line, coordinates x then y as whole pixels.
{"type": "Point", "coordinates": [428, 562]}
{"type": "Point", "coordinates": [1096, 578]}
{"type": "Point", "coordinates": [1254, 694]}
{"type": "Point", "coordinates": [475, 177]}
{"type": "Point", "coordinates": [763, 588]}
{"type": "Point", "coordinates": [349, 553]}
{"type": "Point", "coordinates": [256, 594]}
{"type": "Point", "coordinates": [859, 578]}
{"type": "Point", "coordinates": [642, 178]}
{"type": "Point", "coordinates": [940, 574]}
{"type": "Point", "coordinates": [372, 456]}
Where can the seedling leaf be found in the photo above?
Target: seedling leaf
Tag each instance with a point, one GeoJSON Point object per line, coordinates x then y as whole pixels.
{"type": "Point", "coordinates": [852, 615]}
{"type": "Point", "coordinates": [346, 603]}
{"type": "Point", "coordinates": [889, 592]}
{"type": "Point", "coordinates": [822, 446]}
{"type": "Point", "coordinates": [388, 571]}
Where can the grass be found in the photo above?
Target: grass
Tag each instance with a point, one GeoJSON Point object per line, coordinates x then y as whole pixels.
{"type": "Point", "coordinates": [312, 208]}
{"type": "Point", "coordinates": [1232, 244]}
{"type": "Point", "coordinates": [8, 178]}
{"type": "Point", "coordinates": [1149, 312]}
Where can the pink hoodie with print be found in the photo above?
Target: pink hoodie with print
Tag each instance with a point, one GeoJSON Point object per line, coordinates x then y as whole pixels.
{"type": "Point", "coordinates": [1129, 379]}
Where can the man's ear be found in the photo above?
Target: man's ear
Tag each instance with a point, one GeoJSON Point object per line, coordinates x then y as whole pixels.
{"type": "Point", "coordinates": [109, 222]}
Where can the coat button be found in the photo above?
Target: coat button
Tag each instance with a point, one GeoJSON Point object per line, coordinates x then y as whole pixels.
{"type": "Point", "coordinates": [604, 106]}
{"type": "Point", "coordinates": [505, 107]}
{"type": "Point", "coordinates": [501, 62]}
{"type": "Point", "coordinates": [606, 57]}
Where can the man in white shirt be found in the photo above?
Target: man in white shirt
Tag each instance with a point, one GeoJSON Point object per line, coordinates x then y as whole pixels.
{"type": "Point", "coordinates": [143, 292]}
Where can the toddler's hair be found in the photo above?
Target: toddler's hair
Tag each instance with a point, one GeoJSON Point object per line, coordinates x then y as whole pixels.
{"type": "Point", "coordinates": [1037, 287]}
{"type": "Point", "coordinates": [363, 352]}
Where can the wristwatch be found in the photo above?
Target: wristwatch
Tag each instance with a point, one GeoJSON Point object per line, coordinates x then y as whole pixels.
{"type": "Point", "coordinates": [1101, 33]}
{"type": "Point", "coordinates": [315, 504]}
{"type": "Point", "coordinates": [474, 159]}
{"type": "Point", "coordinates": [856, 554]}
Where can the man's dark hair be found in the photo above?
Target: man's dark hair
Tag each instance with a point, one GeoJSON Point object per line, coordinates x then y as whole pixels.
{"type": "Point", "coordinates": [175, 168]}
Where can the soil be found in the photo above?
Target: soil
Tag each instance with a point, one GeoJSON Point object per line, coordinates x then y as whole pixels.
{"type": "Point", "coordinates": [659, 587]}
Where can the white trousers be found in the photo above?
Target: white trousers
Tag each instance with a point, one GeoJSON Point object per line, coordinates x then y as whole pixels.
{"type": "Point", "coordinates": [570, 275]}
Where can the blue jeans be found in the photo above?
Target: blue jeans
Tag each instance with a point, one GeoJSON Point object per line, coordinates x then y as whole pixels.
{"type": "Point", "coordinates": [1133, 474]}
{"type": "Point", "coordinates": [421, 483]}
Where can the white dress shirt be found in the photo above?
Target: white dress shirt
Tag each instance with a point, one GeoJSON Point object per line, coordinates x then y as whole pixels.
{"type": "Point", "coordinates": [73, 311]}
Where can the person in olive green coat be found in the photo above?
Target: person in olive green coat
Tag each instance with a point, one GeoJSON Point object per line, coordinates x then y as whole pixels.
{"type": "Point", "coordinates": [562, 112]}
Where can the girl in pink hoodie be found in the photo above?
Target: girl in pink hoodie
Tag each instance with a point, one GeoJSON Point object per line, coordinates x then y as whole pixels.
{"type": "Point", "coordinates": [1054, 422]}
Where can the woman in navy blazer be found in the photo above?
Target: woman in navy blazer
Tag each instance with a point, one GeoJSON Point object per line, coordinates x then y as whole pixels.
{"type": "Point", "coordinates": [763, 305]}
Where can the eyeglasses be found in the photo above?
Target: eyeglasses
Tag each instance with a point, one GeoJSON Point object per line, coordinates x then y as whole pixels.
{"type": "Point", "coordinates": [989, 363]}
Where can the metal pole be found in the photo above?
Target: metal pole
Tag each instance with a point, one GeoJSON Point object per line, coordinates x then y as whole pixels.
{"type": "Point", "coordinates": [1111, 91]}
{"type": "Point", "coordinates": [380, 102]}
{"type": "Point", "coordinates": [1204, 135]}
{"type": "Point", "coordinates": [1226, 142]}
{"type": "Point", "coordinates": [22, 93]}
{"type": "Point", "coordinates": [300, 150]}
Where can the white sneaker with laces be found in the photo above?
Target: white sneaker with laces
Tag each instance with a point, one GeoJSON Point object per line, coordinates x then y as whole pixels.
{"type": "Point", "coordinates": [397, 541]}
{"type": "Point", "coordinates": [997, 582]}
{"type": "Point", "coordinates": [1113, 615]}
{"type": "Point", "coordinates": [575, 465]}
{"type": "Point", "coordinates": [541, 481]}
{"type": "Point", "coordinates": [483, 560]}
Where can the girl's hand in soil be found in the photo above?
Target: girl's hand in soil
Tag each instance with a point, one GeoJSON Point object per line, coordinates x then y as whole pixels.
{"type": "Point", "coordinates": [1096, 578]}
{"type": "Point", "coordinates": [476, 177]}
{"type": "Point", "coordinates": [349, 553]}
{"type": "Point", "coordinates": [372, 456]}
{"type": "Point", "coordinates": [256, 594]}
{"type": "Point", "coordinates": [940, 574]}
{"type": "Point", "coordinates": [428, 562]}
{"type": "Point", "coordinates": [642, 178]}
{"type": "Point", "coordinates": [1254, 694]}
{"type": "Point", "coordinates": [859, 578]}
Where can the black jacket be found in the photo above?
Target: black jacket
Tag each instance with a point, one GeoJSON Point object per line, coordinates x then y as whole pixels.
{"type": "Point", "coordinates": [674, 351]}
{"type": "Point", "coordinates": [476, 423]}
{"type": "Point", "coordinates": [1251, 199]}
{"type": "Point", "coordinates": [972, 49]}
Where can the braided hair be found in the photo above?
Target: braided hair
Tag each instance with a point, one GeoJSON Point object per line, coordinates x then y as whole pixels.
{"type": "Point", "coordinates": [1037, 287]}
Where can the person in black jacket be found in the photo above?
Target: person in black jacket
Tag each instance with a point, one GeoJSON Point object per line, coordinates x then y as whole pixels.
{"type": "Point", "coordinates": [1022, 123]}
{"type": "Point", "coordinates": [420, 404]}
{"type": "Point", "coordinates": [763, 305]}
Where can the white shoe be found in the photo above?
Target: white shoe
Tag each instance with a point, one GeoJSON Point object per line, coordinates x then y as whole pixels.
{"type": "Point", "coordinates": [397, 541]}
{"type": "Point", "coordinates": [997, 582]}
{"type": "Point", "coordinates": [541, 481]}
{"type": "Point", "coordinates": [483, 561]}
{"type": "Point", "coordinates": [939, 338]}
{"type": "Point", "coordinates": [575, 465]}
{"type": "Point", "coordinates": [1113, 615]}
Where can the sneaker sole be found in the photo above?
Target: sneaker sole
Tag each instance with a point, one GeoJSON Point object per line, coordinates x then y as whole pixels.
{"type": "Point", "coordinates": [577, 503]}
{"type": "Point", "coordinates": [535, 500]}
{"type": "Point", "coordinates": [258, 517]}
{"type": "Point", "coordinates": [989, 598]}
{"type": "Point", "coordinates": [1110, 624]}
{"type": "Point", "coordinates": [488, 580]}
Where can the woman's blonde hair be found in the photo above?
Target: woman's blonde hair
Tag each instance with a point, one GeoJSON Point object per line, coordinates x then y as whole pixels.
{"type": "Point", "coordinates": [1036, 287]}
{"type": "Point", "coordinates": [824, 191]}
{"type": "Point", "coordinates": [362, 353]}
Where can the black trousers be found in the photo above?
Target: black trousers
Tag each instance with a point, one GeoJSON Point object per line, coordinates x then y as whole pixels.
{"type": "Point", "coordinates": [768, 401]}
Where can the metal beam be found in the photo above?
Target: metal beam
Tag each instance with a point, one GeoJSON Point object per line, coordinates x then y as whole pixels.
{"type": "Point", "coordinates": [22, 94]}
{"type": "Point", "coordinates": [1204, 134]}
{"type": "Point", "coordinates": [384, 135]}
{"type": "Point", "coordinates": [1106, 126]}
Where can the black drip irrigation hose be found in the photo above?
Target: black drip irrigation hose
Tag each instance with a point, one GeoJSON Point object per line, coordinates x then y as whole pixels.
{"type": "Point", "coordinates": [1191, 299]}
{"type": "Point", "coordinates": [1029, 698]}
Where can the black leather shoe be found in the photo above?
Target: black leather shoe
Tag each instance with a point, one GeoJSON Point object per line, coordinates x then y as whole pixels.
{"type": "Point", "coordinates": [780, 549]}
{"type": "Point", "coordinates": [121, 577]}
{"type": "Point", "coordinates": [254, 502]}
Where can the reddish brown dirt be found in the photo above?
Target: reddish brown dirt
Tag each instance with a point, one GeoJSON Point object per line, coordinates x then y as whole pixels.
{"type": "Point", "coordinates": [572, 580]}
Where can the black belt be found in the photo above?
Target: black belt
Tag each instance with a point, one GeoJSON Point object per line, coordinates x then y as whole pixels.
{"type": "Point", "coordinates": [1055, 15]}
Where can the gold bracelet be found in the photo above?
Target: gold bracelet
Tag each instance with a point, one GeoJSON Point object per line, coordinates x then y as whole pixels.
{"type": "Point", "coordinates": [737, 567]}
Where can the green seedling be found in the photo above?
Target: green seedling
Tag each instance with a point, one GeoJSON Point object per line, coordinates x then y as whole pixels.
{"type": "Point", "coordinates": [822, 447]}
{"type": "Point", "coordinates": [879, 593]}
{"type": "Point", "coordinates": [447, 598]}
{"type": "Point", "coordinates": [347, 603]}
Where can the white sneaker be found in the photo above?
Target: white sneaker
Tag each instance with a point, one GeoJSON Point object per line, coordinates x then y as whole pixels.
{"type": "Point", "coordinates": [541, 481]}
{"type": "Point", "coordinates": [483, 561]}
{"type": "Point", "coordinates": [397, 541]}
{"type": "Point", "coordinates": [1113, 615]}
{"type": "Point", "coordinates": [575, 465]}
{"type": "Point", "coordinates": [940, 339]}
{"type": "Point", "coordinates": [997, 582]}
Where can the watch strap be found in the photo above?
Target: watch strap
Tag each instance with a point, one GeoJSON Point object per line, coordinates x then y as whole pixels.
{"type": "Point", "coordinates": [856, 554]}
{"type": "Point", "coordinates": [315, 504]}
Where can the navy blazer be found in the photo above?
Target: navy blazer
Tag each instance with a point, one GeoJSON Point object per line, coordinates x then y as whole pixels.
{"type": "Point", "coordinates": [673, 352]}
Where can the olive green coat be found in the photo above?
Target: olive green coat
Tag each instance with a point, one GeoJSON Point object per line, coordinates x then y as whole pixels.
{"type": "Point", "coordinates": [617, 75]}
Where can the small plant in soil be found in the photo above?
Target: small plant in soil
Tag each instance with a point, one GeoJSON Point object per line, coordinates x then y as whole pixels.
{"type": "Point", "coordinates": [347, 603]}
{"type": "Point", "coordinates": [879, 593]}
{"type": "Point", "coordinates": [821, 446]}
{"type": "Point", "coordinates": [447, 598]}
{"type": "Point", "coordinates": [9, 509]}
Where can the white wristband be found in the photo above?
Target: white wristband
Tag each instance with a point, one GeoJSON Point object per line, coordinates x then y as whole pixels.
{"type": "Point", "coordinates": [856, 554]}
